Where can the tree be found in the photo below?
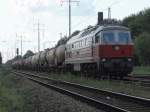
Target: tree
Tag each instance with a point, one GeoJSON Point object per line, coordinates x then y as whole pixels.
{"type": "Point", "coordinates": [0, 58]}
{"type": "Point", "coordinates": [138, 23]}
{"type": "Point", "coordinates": [28, 54]}
{"type": "Point", "coordinates": [64, 39]}
{"type": "Point", "coordinates": [142, 51]}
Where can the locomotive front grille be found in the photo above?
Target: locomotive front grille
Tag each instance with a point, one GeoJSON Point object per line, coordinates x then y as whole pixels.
{"type": "Point", "coordinates": [117, 65]}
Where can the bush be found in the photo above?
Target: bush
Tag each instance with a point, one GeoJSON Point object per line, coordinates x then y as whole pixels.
{"type": "Point", "coordinates": [142, 51]}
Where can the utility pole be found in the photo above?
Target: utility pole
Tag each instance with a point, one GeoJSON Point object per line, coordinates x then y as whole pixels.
{"type": "Point", "coordinates": [69, 18]}
{"type": "Point", "coordinates": [109, 13]}
{"type": "Point", "coordinates": [38, 34]}
{"type": "Point", "coordinates": [109, 9]}
{"type": "Point", "coordinates": [20, 42]}
{"type": "Point", "coordinates": [69, 4]}
{"type": "Point", "coordinates": [38, 28]}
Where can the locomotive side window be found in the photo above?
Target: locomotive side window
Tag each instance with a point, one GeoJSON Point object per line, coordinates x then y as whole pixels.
{"type": "Point", "coordinates": [85, 41]}
{"type": "Point", "coordinates": [97, 38]}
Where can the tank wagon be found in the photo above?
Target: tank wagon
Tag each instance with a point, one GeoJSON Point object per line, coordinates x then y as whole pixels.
{"type": "Point", "coordinates": [103, 49]}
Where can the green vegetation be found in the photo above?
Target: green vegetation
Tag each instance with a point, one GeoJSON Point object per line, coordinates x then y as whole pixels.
{"type": "Point", "coordinates": [116, 86]}
{"type": "Point", "coordinates": [20, 95]}
{"type": "Point", "coordinates": [141, 70]}
{"type": "Point", "coordinates": [0, 58]}
{"type": "Point", "coordinates": [9, 100]}
{"type": "Point", "coordinates": [140, 30]}
{"type": "Point", "coordinates": [28, 54]}
{"type": "Point", "coordinates": [13, 98]}
{"type": "Point", "coordinates": [142, 45]}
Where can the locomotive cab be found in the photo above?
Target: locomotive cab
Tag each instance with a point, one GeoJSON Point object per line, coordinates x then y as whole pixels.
{"type": "Point", "coordinates": [114, 50]}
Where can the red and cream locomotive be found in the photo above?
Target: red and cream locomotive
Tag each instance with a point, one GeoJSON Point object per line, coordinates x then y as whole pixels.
{"type": "Point", "coordinates": [103, 49]}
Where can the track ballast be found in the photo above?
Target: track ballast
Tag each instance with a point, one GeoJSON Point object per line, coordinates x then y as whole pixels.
{"type": "Point", "coordinates": [101, 99]}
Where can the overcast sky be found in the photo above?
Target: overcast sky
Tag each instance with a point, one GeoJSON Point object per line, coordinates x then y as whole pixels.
{"type": "Point", "coordinates": [20, 17]}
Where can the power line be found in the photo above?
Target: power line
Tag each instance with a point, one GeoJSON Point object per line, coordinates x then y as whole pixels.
{"type": "Point", "coordinates": [20, 36]}
{"type": "Point", "coordinates": [83, 21]}
{"type": "Point", "coordinates": [109, 9]}
{"type": "Point", "coordinates": [39, 25]}
{"type": "Point", "coordinates": [21, 43]}
{"type": "Point", "coordinates": [69, 5]}
{"type": "Point", "coordinates": [109, 12]}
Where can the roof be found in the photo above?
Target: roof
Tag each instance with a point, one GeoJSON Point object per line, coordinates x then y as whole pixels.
{"type": "Point", "coordinates": [92, 30]}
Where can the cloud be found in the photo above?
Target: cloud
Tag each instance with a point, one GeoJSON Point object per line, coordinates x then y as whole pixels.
{"type": "Point", "coordinates": [83, 8]}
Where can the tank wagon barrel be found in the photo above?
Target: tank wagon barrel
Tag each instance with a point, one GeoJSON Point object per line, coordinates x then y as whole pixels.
{"type": "Point", "coordinates": [50, 57]}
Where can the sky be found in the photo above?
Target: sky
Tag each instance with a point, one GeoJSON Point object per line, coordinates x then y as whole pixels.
{"type": "Point", "coordinates": [20, 17]}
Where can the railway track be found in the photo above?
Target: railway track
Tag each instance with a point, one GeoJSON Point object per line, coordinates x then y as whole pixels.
{"type": "Point", "coordinates": [104, 100]}
{"type": "Point", "coordinates": [143, 81]}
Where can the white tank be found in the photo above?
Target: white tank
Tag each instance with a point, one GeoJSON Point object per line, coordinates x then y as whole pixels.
{"type": "Point", "coordinates": [60, 55]}
{"type": "Point", "coordinates": [50, 56]}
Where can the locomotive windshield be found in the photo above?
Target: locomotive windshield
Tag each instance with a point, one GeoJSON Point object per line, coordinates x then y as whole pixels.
{"type": "Point", "coordinates": [123, 37]}
{"type": "Point", "coordinates": [108, 37]}
{"type": "Point", "coordinates": [113, 37]}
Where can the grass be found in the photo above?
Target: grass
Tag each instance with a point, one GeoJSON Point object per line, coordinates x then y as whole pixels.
{"type": "Point", "coordinates": [12, 97]}
{"type": "Point", "coordinates": [141, 70]}
{"type": "Point", "coordinates": [116, 86]}
{"type": "Point", "coordinates": [9, 100]}
{"type": "Point", "coordinates": [20, 95]}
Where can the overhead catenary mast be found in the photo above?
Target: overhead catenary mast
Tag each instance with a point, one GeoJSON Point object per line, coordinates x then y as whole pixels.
{"type": "Point", "coordinates": [109, 9]}
{"type": "Point", "coordinates": [20, 42]}
{"type": "Point", "coordinates": [38, 24]}
{"type": "Point", "coordinates": [109, 13]}
{"type": "Point", "coordinates": [69, 4]}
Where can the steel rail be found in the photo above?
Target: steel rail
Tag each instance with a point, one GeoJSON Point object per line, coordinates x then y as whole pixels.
{"type": "Point", "coordinates": [140, 100]}
{"type": "Point", "coordinates": [124, 97]}
{"type": "Point", "coordinates": [90, 101]}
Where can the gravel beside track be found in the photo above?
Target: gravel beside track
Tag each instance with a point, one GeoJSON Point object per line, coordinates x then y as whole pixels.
{"type": "Point", "coordinates": [47, 100]}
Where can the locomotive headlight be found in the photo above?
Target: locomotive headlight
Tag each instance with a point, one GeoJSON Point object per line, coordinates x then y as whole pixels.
{"type": "Point", "coordinates": [117, 48]}
{"type": "Point", "coordinates": [129, 59]}
{"type": "Point", "coordinates": [103, 60]}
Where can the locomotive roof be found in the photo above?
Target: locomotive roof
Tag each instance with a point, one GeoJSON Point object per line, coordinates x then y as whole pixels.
{"type": "Point", "coordinates": [91, 31]}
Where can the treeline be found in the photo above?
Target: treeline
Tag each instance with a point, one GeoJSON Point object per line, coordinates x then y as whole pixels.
{"type": "Point", "coordinates": [0, 58]}
{"type": "Point", "coordinates": [26, 55]}
{"type": "Point", "coordinates": [139, 25]}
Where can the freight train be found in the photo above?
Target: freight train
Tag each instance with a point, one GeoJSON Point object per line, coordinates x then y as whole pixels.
{"type": "Point", "coordinates": [102, 50]}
